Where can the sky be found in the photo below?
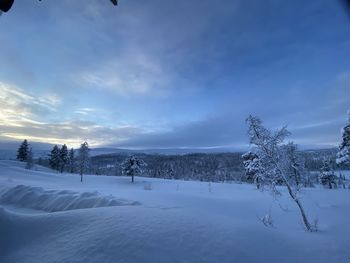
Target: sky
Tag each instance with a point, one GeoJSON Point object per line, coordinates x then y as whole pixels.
{"type": "Point", "coordinates": [173, 74]}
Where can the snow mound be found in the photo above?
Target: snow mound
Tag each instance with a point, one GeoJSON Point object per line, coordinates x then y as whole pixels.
{"type": "Point", "coordinates": [57, 200]}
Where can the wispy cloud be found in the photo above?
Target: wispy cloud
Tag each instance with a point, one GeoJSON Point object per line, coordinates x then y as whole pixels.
{"type": "Point", "coordinates": [19, 107]}
{"type": "Point", "coordinates": [22, 113]}
{"type": "Point", "coordinates": [71, 133]}
{"type": "Point", "coordinates": [128, 75]}
{"type": "Point", "coordinates": [168, 74]}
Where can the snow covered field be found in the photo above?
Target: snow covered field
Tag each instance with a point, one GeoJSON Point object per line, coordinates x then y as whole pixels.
{"type": "Point", "coordinates": [49, 217]}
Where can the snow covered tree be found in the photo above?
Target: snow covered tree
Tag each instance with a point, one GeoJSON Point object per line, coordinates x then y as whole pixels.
{"type": "Point", "coordinates": [83, 159]}
{"type": "Point", "coordinates": [71, 161]}
{"type": "Point", "coordinates": [251, 165]}
{"type": "Point", "coordinates": [54, 158]}
{"type": "Point", "coordinates": [63, 158]}
{"type": "Point", "coordinates": [327, 176]}
{"type": "Point", "coordinates": [22, 153]}
{"type": "Point", "coordinates": [343, 155]}
{"type": "Point", "coordinates": [274, 164]}
{"type": "Point", "coordinates": [132, 166]}
{"type": "Point", "coordinates": [295, 167]}
{"type": "Point", "coordinates": [30, 160]}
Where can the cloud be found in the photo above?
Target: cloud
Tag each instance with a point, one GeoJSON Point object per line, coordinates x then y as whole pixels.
{"type": "Point", "coordinates": [19, 107]}
{"type": "Point", "coordinates": [226, 130]}
{"type": "Point", "coordinates": [72, 133]}
{"type": "Point", "coordinates": [128, 75]}
{"type": "Point", "coordinates": [161, 65]}
{"type": "Point", "coordinates": [85, 111]}
{"type": "Point", "coordinates": [22, 117]}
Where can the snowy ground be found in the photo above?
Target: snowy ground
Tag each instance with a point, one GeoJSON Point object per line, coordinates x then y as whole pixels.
{"type": "Point", "coordinates": [42, 220]}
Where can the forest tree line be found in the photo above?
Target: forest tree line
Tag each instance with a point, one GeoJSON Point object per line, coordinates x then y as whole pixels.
{"type": "Point", "coordinates": [211, 167]}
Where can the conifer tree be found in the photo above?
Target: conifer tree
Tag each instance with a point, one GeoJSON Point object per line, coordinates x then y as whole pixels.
{"type": "Point", "coordinates": [71, 161]}
{"type": "Point", "coordinates": [54, 158]}
{"type": "Point", "coordinates": [343, 155]}
{"type": "Point", "coordinates": [327, 176]}
{"type": "Point", "coordinates": [132, 166]}
{"type": "Point", "coordinates": [64, 158]}
{"type": "Point", "coordinates": [22, 153]}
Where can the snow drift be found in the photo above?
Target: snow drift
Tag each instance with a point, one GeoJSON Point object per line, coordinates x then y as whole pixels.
{"type": "Point", "coordinates": [178, 221]}
{"type": "Point", "coordinates": [53, 200]}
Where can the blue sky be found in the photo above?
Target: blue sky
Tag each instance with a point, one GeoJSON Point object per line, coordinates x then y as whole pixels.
{"type": "Point", "coordinates": [164, 74]}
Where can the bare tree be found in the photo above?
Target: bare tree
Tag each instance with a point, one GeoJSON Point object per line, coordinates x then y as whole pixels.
{"type": "Point", "coordinates": [274, 165]}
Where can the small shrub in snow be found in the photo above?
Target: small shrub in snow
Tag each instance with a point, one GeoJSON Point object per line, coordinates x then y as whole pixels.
{"type": "Point", "coordinates": [267, 219]}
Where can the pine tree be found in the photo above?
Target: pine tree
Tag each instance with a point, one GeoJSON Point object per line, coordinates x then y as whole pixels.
{"type": "Point", "coordinates": [132, 166]}
{"type": "Point", "coordinates": [71, 161]}
{"type": "Point", "coordinates": [63, 157]}
{"type": "Point", "coordinates": [22, 153]}
{"type": "Point", "coordinates": [327, 176]}
{"type": "Point", "coordinates": [343, 155]}
{"type": "Point", "coordinates": [83, 159]}
{"type": "Point", "coordinates": [54, 158]}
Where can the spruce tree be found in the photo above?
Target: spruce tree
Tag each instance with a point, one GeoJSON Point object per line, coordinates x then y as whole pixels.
{"type": "Point", "coordinates": [132, 166]}
{"type": "Point", "coordinates": [327, 176]}
{"type": "Point", "coordinates": [71, 161]}
{"type": "Point", "coordinates": [64, 159]}
{"type": "Point", "coordinates": [54, 158]}
{"type": "Point", "coordinates": [22, 153]}
{"type": "Point", "coordinates": [343, 155]}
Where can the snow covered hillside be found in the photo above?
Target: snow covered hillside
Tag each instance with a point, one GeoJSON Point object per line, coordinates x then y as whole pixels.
{"type": "Point", "coordinates": [51, 217]}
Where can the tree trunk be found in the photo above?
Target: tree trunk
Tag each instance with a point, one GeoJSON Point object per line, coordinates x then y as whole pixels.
{"type": "Point", "coordinates": [81, 177]}
{"type": "Point", "coordinates": [132, 178]}
{"type": "Point", "coordinates": [301, 209]}
{"type": "Point", "coordinates": [296, 200]}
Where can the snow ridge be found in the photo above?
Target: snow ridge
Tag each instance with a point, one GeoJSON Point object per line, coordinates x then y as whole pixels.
{"type": "Point", "coordinates": [57, 200]}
